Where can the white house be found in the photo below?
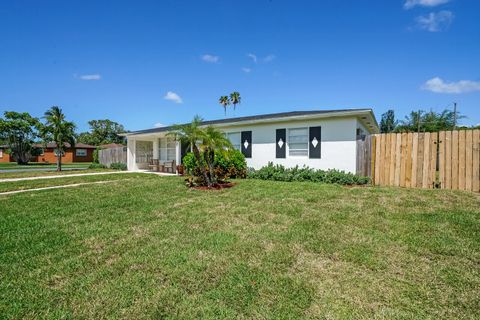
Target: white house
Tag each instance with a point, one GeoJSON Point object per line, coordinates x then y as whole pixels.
{"type": "Point", "coordinates": [323, 139]}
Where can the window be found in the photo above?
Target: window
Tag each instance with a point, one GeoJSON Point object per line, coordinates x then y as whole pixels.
{"type": "Point", "coordinates": [55, 152]}
{"type": "Point", "coordinates": [167, 149]}
{"type": "Point", "coordinates": [81, 152]}
{"type": "Point", "coordinates": [235, 139]}
{"type": "Point", "coordinates": [298, 142]}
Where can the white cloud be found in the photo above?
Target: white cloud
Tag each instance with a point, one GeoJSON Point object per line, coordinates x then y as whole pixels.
{"type": "Point", "coordinates": [159, 125]}
{"type": "Point", "coordinates": [210, 58]}
{"type": "Point", "coordinates": [439, 86]}
{"type": "Point", "coordinates": [435, 21]}
{"type": "Point", "coordinates": [246, 70]}
{"type": "Point", "coordinates": [424, 3]}
{"type": "Point", "coordinates": [172, 96]}
{"type": "Point", "coordinates": [252, 56]}
{"type": "Point", "coordinates": [88, 77]}
{"type": "Point", "coordinates": [269, 58]}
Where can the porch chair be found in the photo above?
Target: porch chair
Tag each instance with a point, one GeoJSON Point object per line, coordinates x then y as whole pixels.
{"type": "Point", "coordinates": [154, 165]}
{"type": "Point", "coordinates": [169, 166]}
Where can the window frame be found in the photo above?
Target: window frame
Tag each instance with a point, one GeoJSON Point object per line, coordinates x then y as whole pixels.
{"type": "Point", "coordinates": [81, 155]}
{"type": "Point", "coordinates": [307, 155]}
{"type": "Point", "coordinates": [165, 149]}
{"type": "Point", "coordinates": [239, 139]}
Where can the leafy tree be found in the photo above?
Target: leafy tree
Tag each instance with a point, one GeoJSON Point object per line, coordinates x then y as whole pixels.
{"type": "Point", "coordinates": [431, 121]}
{"type": "Point", "coordinates": [388, 122]}
{"type": "Point", "coordinates": [224, 101]}
{"type": "Point", "coordinates": [57, 129]}
{"type": "Point", "coordinates": [235, 98]}
{"type": "Point", "coordinates": [19, 131]}
{"type": "Point", "coordinates": [102, 132]}
{"type": "Point", "coordinates": [192, 134]}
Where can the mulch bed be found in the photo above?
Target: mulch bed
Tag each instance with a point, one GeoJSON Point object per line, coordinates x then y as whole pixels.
{"type": "Point", "coordinates": [216, 186]}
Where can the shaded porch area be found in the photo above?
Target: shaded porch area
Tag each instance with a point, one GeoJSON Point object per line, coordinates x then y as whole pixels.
{"type": "Point", "coordinates": [155, 153]}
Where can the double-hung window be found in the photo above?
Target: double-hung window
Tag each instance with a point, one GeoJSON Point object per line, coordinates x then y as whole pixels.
{"type": "Point", "coordinates": [167, 150]}
{"type": "Point", "coordinates": [298, 142]}
{"type": "Point", "coordinates": [235, 139]}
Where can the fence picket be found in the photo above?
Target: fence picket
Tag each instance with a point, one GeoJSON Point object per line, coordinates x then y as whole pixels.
{"type": "Point", "coordinates": [454, 160]}
{"type": "Point", "coordinates": [476, 161]}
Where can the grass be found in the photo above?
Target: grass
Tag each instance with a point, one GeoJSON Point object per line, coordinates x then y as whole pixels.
{"type": "Point", "coordinates": [10, 175]}
{"type": "Point", "coordinates": [41, 183]}
{"type": "Point", "coordinates": [38, 165]}
{"type": "Point", "coordinates": [150, 248]}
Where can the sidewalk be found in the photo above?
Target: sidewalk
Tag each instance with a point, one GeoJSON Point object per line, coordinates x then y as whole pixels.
{"type": "Point", "coordinates": [62, 176]}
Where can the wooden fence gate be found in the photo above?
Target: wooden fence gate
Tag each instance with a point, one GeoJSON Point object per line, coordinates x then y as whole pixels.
{"type": "Point", "coordinates": [447, 159]}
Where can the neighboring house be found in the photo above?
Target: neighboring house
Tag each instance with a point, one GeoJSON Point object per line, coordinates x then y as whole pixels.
{"type": "Point", "coordinates": [80, 153]}
{"type": "Point", "coordinates": [324, 139]}
{"type": "Point", "coordinates": [4, 156]}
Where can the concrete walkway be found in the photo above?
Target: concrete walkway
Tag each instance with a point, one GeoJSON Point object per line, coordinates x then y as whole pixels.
{"type": "Point", "coordinates": [63, 176]}
{"type": "Point", "coordinates": [41, 169]}
{"type": "Point", "coordinates": [58, 187]}
{"type": "Point", "coordinates": [84, 174]}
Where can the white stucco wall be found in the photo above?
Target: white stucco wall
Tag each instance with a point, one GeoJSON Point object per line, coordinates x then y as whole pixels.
{"type": "Point", "coordinates": [338, 143]}
{"type": "Point", "coordinates": [338, 146]}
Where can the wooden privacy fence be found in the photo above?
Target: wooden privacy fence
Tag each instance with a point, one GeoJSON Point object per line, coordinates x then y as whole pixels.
{"type": "Point", "coordinates": [112, 155]}
{"type": "Point", "coordinates": [445, 159]}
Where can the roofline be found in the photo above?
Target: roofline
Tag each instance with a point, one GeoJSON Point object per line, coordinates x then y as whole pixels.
{"type": "Point", "coordinates": [266, 118]}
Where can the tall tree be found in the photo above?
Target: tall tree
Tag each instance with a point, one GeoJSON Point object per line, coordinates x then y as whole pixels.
{"type": "Point", "coordinates": [19, 131]}
{"type": "Point", "coordinates": [192, 134]}
{"type": "Point", "coordinates": [224, 101]}
{"type": "Point", "coordinates": [58, 130]}
{"type": "Point", "coordinates": [235, 98]}
{"type": "Point", "coordinates": [102, 131]}
{"type": "Point", "coordinates": [388, 122]}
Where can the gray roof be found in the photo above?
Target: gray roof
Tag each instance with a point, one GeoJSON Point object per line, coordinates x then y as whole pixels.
{"type": "Point", "coordinates": [257, 117]}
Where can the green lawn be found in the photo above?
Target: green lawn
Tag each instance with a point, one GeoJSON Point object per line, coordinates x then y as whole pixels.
{"type": "Point", "coordinates": [148, 247]}
{"type": "Point", "coordinates": [37, 165]}
{"type": "Point", "coordinates": [10, 175]}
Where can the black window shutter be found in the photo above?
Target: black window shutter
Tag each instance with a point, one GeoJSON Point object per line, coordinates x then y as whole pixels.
{"type": "Point", "coordinates": [281, 143]}
{"type": "Point", "coordinates": [247, 143]}
{"type": "Point", "coordinates": [314, 142]}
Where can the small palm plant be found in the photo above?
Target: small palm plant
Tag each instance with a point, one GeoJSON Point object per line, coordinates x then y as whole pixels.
{"type": "Point", "coordinates": [192, 134]}
{"type": "Point", "coordinates": [59, 131]}
{"type": "Point", "coordinates": [214, 140]}
{"type": "Point", "coordinates": [235, 99]}
{"type": "Point", "coordinates": [224, 101]}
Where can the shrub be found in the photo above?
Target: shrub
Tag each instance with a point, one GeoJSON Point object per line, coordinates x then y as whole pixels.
{"type": "Point", "coordinates": [118, 166]}
{"type": "Point", "coordinates": [280, 173]}
{"type": "Point", "coordinates": [95, 155]}
{"type": "Point", "coordinates": [96, 166]}
{"type": "Point", "coordinates": [227, 164]}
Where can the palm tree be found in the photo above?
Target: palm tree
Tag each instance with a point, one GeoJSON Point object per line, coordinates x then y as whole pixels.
{"type": "Point", "coordinates": [192, 134]}
{"type": "Point", "coordinates": [235, 98]}
{"type": "Point", "coordinates": [224, 101]}
{"type": "Point", "coordinates": [58, 130]}
{"type": "Point", "coordinates": [214, 140]}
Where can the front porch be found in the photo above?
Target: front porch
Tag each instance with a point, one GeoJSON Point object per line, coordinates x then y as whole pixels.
{"type": "Point", "coordinates": [155, 152]}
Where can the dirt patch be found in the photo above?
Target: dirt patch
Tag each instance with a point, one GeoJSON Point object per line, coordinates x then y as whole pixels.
{"type": "Point", "coordinates": [216, 186]}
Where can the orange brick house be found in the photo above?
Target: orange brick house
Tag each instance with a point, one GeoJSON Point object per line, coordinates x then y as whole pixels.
{"type": "Point", "coordinates": [80, 153]}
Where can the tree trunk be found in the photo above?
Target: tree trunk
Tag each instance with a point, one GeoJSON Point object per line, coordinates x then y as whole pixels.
{"type": "Point", "coordinates": [210, 160]}
{"type": "Point", "coordinates": [196, 152]}
{"type": "Point", "coordinates": [59, 161]}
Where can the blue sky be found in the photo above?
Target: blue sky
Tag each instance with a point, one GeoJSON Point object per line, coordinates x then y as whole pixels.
{"type": "Point", "coordinates": [146, 63]}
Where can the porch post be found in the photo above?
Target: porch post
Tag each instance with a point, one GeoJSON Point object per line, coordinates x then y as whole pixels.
{"type": "Point", "coordinates": [155, 148]}
{"type": "Point", "coordinates": [178, 152]}
{"type": "Point", "coordinates": [131, 161]}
